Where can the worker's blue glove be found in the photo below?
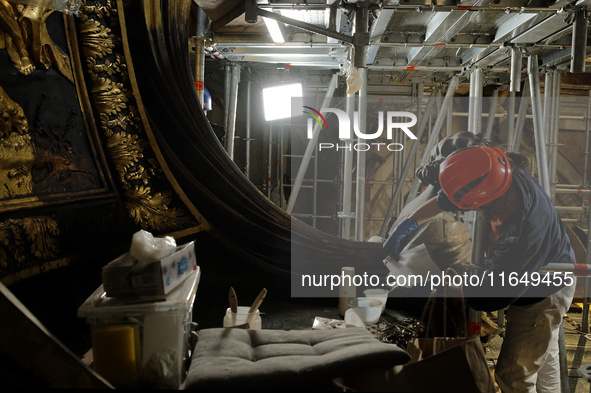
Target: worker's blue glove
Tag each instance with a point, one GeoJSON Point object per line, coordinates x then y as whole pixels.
{"type": "Point", "coordinates": [392, 244]}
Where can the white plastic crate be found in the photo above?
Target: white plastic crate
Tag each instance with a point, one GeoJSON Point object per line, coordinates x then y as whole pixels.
{"type": "Point", "coordinates": [163, 327]}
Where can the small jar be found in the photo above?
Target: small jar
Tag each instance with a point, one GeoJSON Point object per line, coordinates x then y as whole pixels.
{"type": "Point", "coordinates": [347, 289]}
{"type": "Point", "coordinates": [241, 317]}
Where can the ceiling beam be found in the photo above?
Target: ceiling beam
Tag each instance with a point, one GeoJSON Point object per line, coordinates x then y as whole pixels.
{"type": "Point", "coordinates": [511, 28]}
{"type": "Point", "coordinates": [440, 29]}
{"type": "Point", "coordinates": [305, 26]}
{"type": "Point", "coordinates": [378, 28]}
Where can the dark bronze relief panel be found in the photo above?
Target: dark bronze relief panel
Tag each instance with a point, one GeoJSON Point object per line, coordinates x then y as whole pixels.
{"type": "Point", "coordinates": [78, 173]}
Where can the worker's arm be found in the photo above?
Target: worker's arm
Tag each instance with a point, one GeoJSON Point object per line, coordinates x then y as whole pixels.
{"type": "Point", "coordinates": [426, 211]}
{"type": "Point", "coordinates": [421, 215]}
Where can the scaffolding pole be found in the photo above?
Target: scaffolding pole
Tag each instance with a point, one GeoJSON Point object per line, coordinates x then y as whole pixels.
{"type": "Point", "coordinates": [360, 43]}
{"type": "Point", "coordinates": [548, 97]}
{"type": "Point", "coordinates": [409, 161]}
{"type": "Point", "coordinates": [270, 161]}
{"type": "Point", "coordinates": [479, 234]}
{"type": "Point", "coordinates": [521, 115]}
{"type": "Point", "coordinates": [471, 96]}
{"type": "Point", "coordinates": [538, 118]}
{"type": "Point", "coordinates": [281, 164]}
{"type": "Point", "coordinates": [248, 137]}
{"type": "Point", "coordinates": [516, 65]}
{"type": "Point", "coordinates": [586, 163]}
{"type": "Point", "coordinates": [491, 114]}
{"type": "Point", "coordinates": [227, 89]}
{"type": "Point", "coordinates": [553, 137]}
{"type": "Point", "coordinates": [585, 324]}
{"type": "Point", "coordinates": [479, 229]}
{"type": "Point", "coordinates": [433, 137]}
{"type": "Point", "coordinates": [511, 121]}
{"type": "Point", "coordinates": [235, 81]}
{"type": "Point", "coordinates": [310, 148]}
{"type": "Point", "coordinates": [476, 78]}
{"type": "Point", "coordinates": [361, 157]}
{"type": "Point", "coordinates": [548, 116]}
{"type": "Point", "coordinates": [348, 174]}
{"type": "Point", "coordinates": [449, 120]}
{"type": "Point", "coordinates": [199, 41]}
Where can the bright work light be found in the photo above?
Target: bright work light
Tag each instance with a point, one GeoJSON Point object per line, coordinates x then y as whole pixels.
{"type": "Point", "coordinates": [277, 100]}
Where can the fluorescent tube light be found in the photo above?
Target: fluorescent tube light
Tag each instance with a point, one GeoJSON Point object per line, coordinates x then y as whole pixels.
{"type": "Point", "coordinates": [274, 30]}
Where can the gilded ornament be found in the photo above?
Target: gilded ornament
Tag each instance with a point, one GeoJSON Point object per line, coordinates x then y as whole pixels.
{"type": "Point", "coordinates": [17, 154]}
{"type": "Point", "coordinates": [19, 238]}
{"type": "Point", "coordinates": [152, 210]}
{"type": "Point", "coordinates": [27, 41]}
{"type": "Point", "coordinates": [98, 40]}
{"type": "Point", "coordinates": [149, 208]}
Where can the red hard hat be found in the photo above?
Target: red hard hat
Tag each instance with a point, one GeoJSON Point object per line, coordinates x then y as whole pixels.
{"type": "Point", "coordinates": [475, 176]}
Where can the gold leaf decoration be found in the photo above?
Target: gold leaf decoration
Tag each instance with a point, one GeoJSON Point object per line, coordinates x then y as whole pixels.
{"type": "Point", "coordinates": [36, 236]}
{"type": "Point", "coordinates": [125, 137]}
{"type": "Point", "coordinates": [151, 210]}
{"type": "Point", "coordinates": [98, 40]}
{"type": "Point", "coordinates": [125, 152]}
{"type": "Point", "coordinates": [41, 233]}
{"type": "Point", "coordinates": [110, 97]}
{"type": "Point", "coordinates": [100, 10]}
{"type": "Point", "coordinates": [122, 121]}
{"type": "Point", "coordinates": [108, 67]}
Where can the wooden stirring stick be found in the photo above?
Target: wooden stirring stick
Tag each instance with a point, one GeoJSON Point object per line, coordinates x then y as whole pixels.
{"type": "Point", "coordinates": [257, 302]}
{"type": "Point", "coordinates": [233, 300]}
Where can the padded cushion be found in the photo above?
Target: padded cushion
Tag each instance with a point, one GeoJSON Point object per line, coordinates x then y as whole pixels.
{"type": "Point", "coordinates": [268, 359]}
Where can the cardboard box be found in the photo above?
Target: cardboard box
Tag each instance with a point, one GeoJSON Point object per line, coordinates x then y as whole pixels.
{"type": "Point", "coordinates": [162, 330]}
{"type": "Point", "coordinates": [155, 279]}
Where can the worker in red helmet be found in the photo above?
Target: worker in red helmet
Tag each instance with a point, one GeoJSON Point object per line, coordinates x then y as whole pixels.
{"type": "Point", "coordinates": [525, 233]}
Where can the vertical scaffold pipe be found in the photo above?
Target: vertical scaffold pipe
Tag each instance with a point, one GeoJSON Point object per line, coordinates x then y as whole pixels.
{"type": "Point", "coordinates": [511, 121]}
{"type": "Point", "coordinates": [235, 81]}
{"type": "Point", "coordinates": [537, 116]}
{"type": "Point", "coordinates": [348, 172]}
{"type": "Point", "coordinates": [409, 161]}
{"type": "Point", "coordinates": [520, 121]}
{"type": "Point", "coordinates": [516, 65]}
{"type": "Point", "coordinates": [476, 125]}
{"type": "Point", "coordinates": [248, 131]}
{"type": "Point", "coordinates": [361, 157]}
{"type": "Point", "coordinates": [433, 137]}
{"type": "Point", "coordinates": [492, 111]}
{"type": "Point", "coordinates": [553, 137]}
{"type": "Point", "coordinates": [310, 148]}
{"type": "Point", "coordinates": [479, 229]}
{"type": "Point", "coordinates": [199, 40]}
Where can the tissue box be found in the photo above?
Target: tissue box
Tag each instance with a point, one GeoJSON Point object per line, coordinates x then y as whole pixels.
{"type": "Point", "coordinates": [155, 279]}
{"type": "Point", "coordinates": [159, 335]}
